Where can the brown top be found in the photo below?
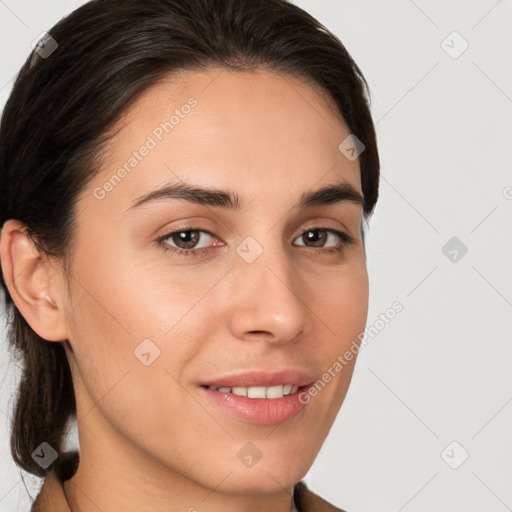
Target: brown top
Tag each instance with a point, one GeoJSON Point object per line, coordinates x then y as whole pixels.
{"type": "Point", "coordinates": [51, 497]}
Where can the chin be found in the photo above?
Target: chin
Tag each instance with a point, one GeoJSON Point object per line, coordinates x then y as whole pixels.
{"type": "Point", "coordinates": [262, 481]}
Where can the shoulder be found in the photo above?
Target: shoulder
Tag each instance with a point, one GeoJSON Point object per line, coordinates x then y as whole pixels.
{"type": "Point", "coordinates": [307, 501]}
{"type": "Point", "coordinates": [51, 497]}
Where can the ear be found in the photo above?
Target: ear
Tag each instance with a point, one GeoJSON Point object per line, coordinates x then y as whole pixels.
{"type": "Point", "coordinates": [34, 282]}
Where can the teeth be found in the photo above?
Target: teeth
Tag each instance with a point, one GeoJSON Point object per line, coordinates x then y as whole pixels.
{"type": "Point", "coordinates": [256, 392]}
{"type": "Point", "coordinates": [238, 391]}
{"type": "Point", "coordinates": [259, 391]}
{"type": "Point", "coordinates": [274, 391]}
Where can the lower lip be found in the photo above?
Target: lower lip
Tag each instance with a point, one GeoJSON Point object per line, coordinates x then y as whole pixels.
{"type": "Point", "coordinates": [261, 411]}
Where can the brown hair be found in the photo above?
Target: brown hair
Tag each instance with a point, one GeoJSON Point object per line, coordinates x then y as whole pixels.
{"type": "Point", "coordinates": [63, 104]}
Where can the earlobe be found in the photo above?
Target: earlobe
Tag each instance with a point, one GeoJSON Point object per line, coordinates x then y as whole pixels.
{"type": "Point", "coordinates": [31, 280]}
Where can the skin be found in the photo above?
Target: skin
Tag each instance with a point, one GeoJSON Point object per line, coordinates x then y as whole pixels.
{"type": "Point", "coordinates": [149, 440]}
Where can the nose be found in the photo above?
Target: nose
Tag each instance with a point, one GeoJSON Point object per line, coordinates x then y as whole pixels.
{"type": "Point", "coordinates": [268, 300]}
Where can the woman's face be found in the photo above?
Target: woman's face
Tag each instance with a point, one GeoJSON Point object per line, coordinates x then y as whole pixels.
{"type": "Point", "coordinates": [259, 285]}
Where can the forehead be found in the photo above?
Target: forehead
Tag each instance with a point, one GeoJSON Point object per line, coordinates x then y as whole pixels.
{"type": "Point", "coordinates": [261, 133]}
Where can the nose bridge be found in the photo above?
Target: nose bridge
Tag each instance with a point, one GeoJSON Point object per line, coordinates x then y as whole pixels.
{"type": "Point", "coordinates": [267, 296]}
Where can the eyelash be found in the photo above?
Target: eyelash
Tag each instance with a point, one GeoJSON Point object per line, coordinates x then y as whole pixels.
{"type": "Point", "coordinates": [346, 240]}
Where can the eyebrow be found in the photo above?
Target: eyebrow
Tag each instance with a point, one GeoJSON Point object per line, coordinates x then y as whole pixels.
{"type": "Point", "coordinates": [329, 194]}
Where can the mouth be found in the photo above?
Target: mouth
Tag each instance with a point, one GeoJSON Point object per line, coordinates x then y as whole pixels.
{"type": "Point", "coordinates": [271, 392]}
{"type": "Point", "coordinates": [261, 398]}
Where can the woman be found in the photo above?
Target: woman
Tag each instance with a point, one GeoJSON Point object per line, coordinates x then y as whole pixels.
{"type": "Point", "coordinates": [184, 185]}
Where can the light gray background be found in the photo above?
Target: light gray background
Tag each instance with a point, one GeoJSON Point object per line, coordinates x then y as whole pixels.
{"type": "Point", "coordinates": [440, 371]}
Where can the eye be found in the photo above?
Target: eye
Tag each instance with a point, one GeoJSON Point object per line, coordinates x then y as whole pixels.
{"type": "Point", "coordinates": [187, 238]}
{"type": "Point", "coordinates": [319, 236]}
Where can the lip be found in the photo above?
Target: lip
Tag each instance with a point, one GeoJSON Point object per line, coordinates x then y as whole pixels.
{"type": "Point", "coordinates": [261, 378]}
{"type": "Point", "coordinates": [259, 411]}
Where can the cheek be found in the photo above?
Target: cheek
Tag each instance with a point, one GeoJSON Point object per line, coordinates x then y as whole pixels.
{"type": "Point", "coordinates": [124, 309]}
{"type": "Point", "coordinates": [111, 377]}
{"type": "Point", "coordinates": [100, 345]}
{"type": "Point", "coordinates": [342, 303]}
{"type": "Point", "coordinates": [343, 309]}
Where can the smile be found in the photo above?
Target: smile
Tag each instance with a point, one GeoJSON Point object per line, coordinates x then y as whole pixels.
{"type": "Point", "coordinates": [259, 391]}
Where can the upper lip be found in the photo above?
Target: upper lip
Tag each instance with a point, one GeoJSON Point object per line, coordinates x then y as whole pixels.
{"type": "Point", "coordinates": [262, 378]}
